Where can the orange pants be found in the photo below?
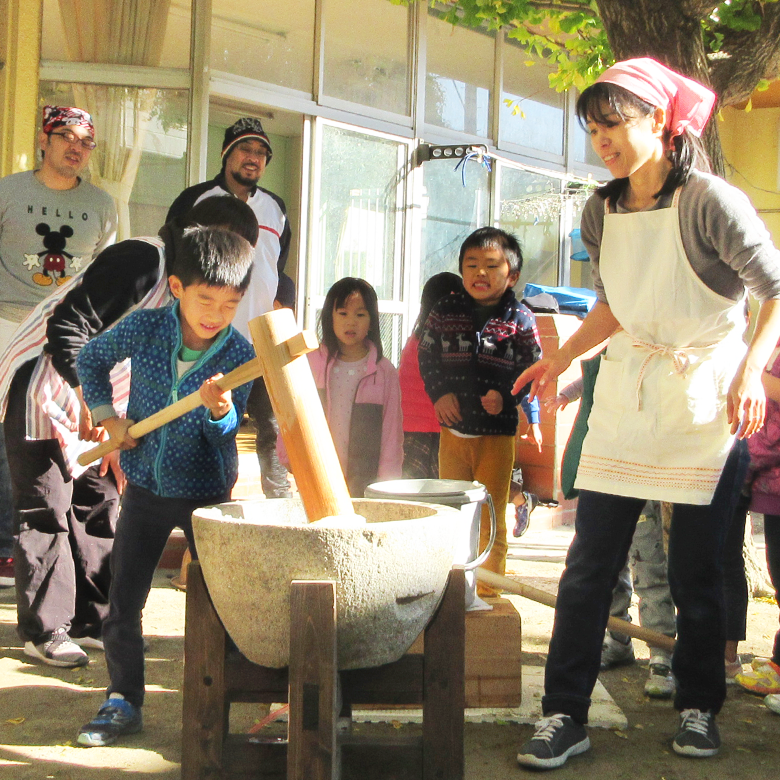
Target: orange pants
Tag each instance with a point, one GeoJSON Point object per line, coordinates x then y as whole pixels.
{"type": "Point", "coordinates": [488, 460]}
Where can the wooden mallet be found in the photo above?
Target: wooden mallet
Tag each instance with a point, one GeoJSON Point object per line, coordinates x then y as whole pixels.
{"type": "Point", "coordinates": [279, 345]}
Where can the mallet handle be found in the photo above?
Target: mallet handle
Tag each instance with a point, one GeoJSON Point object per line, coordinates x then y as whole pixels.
{"type": "Point", "coordinates": [653, 638]}
{"type": "Point", "coordinates": [237, 377]}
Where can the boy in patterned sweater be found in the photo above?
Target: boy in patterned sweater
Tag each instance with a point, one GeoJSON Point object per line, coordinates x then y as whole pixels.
{"type": "Point", "coordinates": [189, 463]}
{"type": "Point", "coordinates": [474, 345]}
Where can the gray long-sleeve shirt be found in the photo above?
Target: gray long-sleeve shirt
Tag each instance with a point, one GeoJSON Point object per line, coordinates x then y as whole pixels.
{"type": "Point", "coordinates": [727, 244]}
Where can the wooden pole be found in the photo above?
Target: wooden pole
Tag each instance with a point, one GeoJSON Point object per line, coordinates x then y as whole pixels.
{"type": "Point", "coordinates": [298, 410]}
{"type": "Point", "coordinates": [653, 638]}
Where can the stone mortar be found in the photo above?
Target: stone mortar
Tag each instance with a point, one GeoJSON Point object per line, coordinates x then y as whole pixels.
{"type": "Point", "coordinates": [390, 573]}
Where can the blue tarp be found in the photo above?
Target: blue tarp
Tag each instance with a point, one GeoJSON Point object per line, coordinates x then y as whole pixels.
{"type": "Point", "coordinates": [571, 300]}
{"type": "Point", "coordinates": [578, 251]}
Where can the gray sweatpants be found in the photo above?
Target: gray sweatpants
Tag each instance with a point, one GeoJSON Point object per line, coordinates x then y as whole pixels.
{"type": "Point", "coordinates": [647, 562]}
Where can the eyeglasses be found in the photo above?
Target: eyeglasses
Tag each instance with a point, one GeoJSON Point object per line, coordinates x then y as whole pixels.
{"type": "Point", "coordinates": [72, 138]}
{"type": "Point", "coordinates": [247, 149]}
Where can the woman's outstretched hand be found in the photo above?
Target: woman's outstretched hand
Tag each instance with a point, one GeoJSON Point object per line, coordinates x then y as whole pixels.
{"type": "Point", "coordinates": [541, 374]}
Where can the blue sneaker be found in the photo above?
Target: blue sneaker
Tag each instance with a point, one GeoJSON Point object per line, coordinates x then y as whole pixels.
{"type": "Point", "coordinates": [523, 514]}
{"type": "Point", "coordinates": [115, 717]}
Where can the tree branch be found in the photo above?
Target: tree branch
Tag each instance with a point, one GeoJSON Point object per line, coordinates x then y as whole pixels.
{"type": "Point", "coordinates": [751, 55]}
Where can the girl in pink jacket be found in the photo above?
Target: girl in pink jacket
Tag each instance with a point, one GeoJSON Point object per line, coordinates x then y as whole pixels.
{"type": "Point", "coordinates": [359, 388]}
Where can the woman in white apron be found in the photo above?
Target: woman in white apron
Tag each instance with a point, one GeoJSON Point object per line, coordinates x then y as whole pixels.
{"type": "Point", "coordinates": [673, 251]}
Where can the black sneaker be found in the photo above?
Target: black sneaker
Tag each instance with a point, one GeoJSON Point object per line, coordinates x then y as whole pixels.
{"type": "Point", "coordinates": [116, 717]}
{"type": "Point", "coordinates": [698, 735]}
{"type": "Point", "coordinates": [556, 738]}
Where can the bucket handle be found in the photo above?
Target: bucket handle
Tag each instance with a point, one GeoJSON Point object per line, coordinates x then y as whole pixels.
{"type": "Point", "coordinates": [482, 557]}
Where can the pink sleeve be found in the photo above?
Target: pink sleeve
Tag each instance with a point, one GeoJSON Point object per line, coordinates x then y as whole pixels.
{"type": "Point", "coordinates": [391, 456]}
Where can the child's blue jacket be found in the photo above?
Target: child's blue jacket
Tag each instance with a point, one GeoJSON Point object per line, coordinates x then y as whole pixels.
{"type": "Point", "coordinates": [193, 456]}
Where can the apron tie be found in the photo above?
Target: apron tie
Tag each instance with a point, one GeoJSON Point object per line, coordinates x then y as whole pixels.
{"type": "Point", "coordinates": [680, 361]}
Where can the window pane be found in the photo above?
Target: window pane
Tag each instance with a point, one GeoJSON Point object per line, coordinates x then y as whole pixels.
{"type": "Point", "coordinates": [580, 270]}
{"type": "Point", "coordinates": [120, 32]}
{"type": "Point", "coordinates": [368, 63]}
{"type": "Point", "coordinates": [535, 118]}
{"type": "Point", "coordinates": [263, 40]}
{"type": "Point", "coordinates": [460, 77]}
{"type": "Point", "coordinates": [356, 211]}
{"type": "Point", "coordinates": [450, 213]}
{"type": "Point", "coordinates": [153, 121]}
{"type": "Point", "coordinates": [530, 208]}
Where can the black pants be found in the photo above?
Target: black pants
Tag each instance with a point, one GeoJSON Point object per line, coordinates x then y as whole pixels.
{"type": "Point", "coordinates": [772, 538]}
{"type": "Point", "coordinates": [144, 525]}
{"type": "Point", "coordinates": [604, 528]}
{"type": "Point", "coordinates": [65, 531]}
{"type": "Point", "coordinates": [273, 475]}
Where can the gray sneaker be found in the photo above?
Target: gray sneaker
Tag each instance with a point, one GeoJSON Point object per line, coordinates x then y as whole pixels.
{"type": "Point", "coordinates": [698, 735]}
{"type": "Point", "coordinates": [660, 683]}
{"type": "Point", "coordinates": [60, 650]}
{"type": "Point", "coordinates": [556, 738]}
{"type": "Point", "coordinates": [616, 653]}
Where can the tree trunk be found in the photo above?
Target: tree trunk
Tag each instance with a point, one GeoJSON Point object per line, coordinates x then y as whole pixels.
{"type": "Point", "coordinates": [670, 32]}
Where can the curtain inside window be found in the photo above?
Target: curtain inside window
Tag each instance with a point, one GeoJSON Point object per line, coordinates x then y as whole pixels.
{"type": "Point", "coordinates": [117, 32]}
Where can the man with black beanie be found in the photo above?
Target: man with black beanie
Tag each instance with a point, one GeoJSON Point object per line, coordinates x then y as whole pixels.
{"type": "Point", "coordinates": [246, 151]}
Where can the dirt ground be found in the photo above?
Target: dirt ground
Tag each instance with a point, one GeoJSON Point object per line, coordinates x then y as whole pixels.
{"type": "Point", "coordinates": [41, 709]}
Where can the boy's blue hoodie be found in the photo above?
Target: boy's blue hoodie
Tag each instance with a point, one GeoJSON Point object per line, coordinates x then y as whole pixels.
{"type": "Point", "coordinates": [193, 456]}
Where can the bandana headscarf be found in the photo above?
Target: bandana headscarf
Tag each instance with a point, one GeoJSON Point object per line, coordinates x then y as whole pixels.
{"type": "Point", "coordinates": [58, 116]}
{"type": "Point", "coordinates": [688, 103]}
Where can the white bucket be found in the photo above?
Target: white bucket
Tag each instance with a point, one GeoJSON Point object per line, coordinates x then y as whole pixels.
{"type": "Point", "coordinates": [463, 495]}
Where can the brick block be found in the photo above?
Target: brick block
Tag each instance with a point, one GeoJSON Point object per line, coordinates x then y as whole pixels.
{"type": "Point", "coordinates": [493, 656]}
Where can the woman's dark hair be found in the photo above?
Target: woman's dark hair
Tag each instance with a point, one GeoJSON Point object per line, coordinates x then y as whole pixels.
{"type": "Point", "coordinates": [433, 291]}
{"type": "Point", "coordinates": [336, 298]}
{"type": "Point", "coordinates": [686, 153]}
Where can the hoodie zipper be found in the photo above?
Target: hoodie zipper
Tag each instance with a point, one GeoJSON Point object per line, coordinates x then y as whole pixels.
{"type": "Point", "coordinates": [174, 394]}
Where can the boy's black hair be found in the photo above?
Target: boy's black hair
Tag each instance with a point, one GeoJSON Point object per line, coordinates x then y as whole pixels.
{"type": "Point", "coordinates": [214, 256]}
{"type": "Point", "coordinates": [687, 151]}
{"type": "Point", "coordinates": [227, 212]}
{"type": "Point", "coordinates": [489, 237]}
{"type": "Point", "coordinates": [433, 291]}
{"type": "Point", "coordinates": [336, 298]}
{"type": "Point", "coordinates": [285, 291]}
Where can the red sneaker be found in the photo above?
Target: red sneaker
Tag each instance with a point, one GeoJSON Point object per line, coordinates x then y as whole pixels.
{"type": "Point", "coordinates": [6, 572]}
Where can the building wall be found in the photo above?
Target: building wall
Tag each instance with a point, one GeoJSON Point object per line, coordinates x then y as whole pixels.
{"type": "Point", "coordinates": [20, 35]}
{"type": "Point", "coordinates": [751, 148]}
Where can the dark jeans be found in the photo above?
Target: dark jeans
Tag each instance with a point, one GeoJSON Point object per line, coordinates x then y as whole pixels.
{"type": "Point", "coordinates": [143, 528]}
{"type": "Point", "coordinates": [604, 528]}
{"type": "Point", "coordinates": [6, 503]}
{"type": "Point", "coordinates": [772, 539]}
{"type": "Point", "coordinates": [273, 475]}
{"type": "Point", "coordinates": [65, 532]}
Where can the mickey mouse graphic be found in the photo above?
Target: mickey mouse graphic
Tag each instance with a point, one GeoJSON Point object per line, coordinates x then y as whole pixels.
{"type": "Point", "coordinates": [53, 256]}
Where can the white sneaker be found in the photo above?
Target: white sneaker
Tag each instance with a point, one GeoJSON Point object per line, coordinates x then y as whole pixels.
{"type": "Point", "coordinates": [661, 683]}
{"type": "Point", "coordinates": [60, 650]}
{"type": "Point", "coordinates": [772, 702]}
{"type": "Point", "coordinates": [615, 653]}
{"type": "Point", "coordinates": [89, 641]}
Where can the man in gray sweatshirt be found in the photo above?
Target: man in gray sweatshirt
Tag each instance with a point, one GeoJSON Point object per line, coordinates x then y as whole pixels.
{"type": "Point", "coordinates": [52, 223]}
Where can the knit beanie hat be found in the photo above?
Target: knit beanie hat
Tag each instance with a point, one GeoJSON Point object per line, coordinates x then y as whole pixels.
{"type": "Point", "coordinates": [248, 127]}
